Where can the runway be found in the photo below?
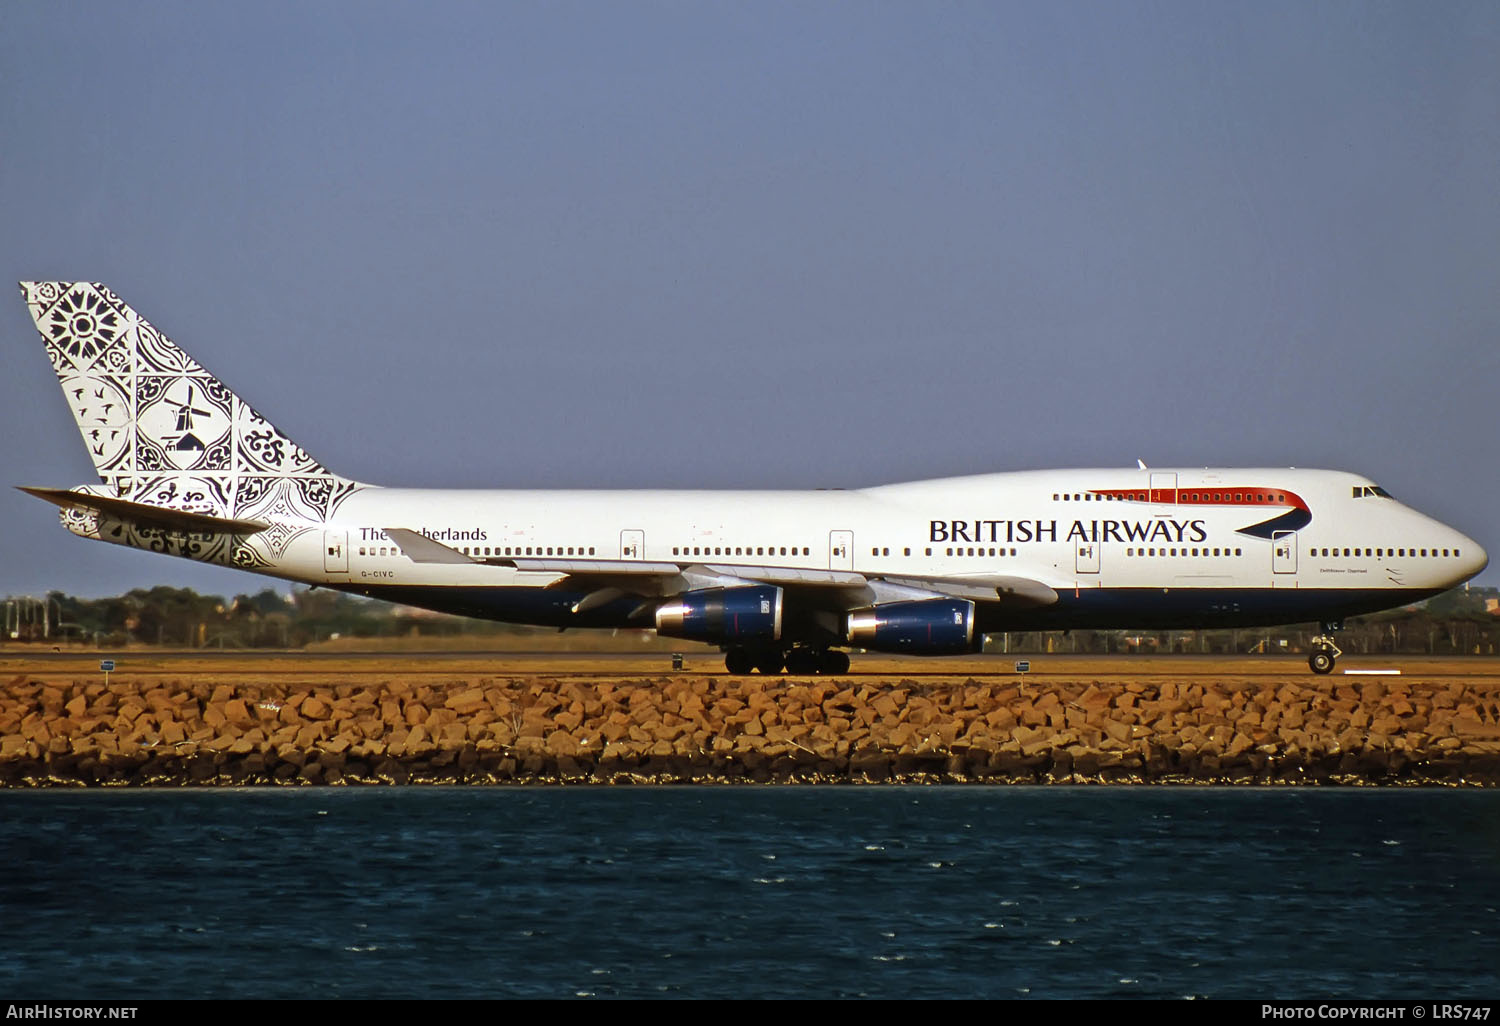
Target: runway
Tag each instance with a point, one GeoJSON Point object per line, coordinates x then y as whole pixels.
{"type": "Point", "coordinates": [212, 665]}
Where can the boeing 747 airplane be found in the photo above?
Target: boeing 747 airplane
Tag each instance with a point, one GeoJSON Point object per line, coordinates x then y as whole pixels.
{"type": "Point", "coordinates": [778, 580]}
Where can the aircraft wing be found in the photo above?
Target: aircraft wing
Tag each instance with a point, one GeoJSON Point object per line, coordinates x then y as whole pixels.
{"type": "Point", "coordinates": [147, 516]}
{"type": "Point", "coordinates": [1003, 588]}
{"type": "Point", "coordinates": [577, 568]}
{"type": "Point", "coordinates": [662, 578]}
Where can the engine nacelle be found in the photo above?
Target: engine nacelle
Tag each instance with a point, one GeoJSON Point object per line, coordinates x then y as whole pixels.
{"type": "Point", "coordinates": [723, 614]}
{"type": "Point", "coordinates": [925, 627]}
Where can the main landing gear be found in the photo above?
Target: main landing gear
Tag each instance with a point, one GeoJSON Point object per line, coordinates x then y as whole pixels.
{"type": "Point", "coordinates": [799, 661]}
{"type": "Point", "coordinates": [1324, 651]}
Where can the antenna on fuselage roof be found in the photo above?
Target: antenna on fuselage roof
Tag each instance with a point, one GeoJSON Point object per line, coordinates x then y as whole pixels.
{"type": "Point", "coordinates": [1142, 464]}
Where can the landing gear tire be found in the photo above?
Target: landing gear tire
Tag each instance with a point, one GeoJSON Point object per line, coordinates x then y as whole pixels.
{"type": "Point", "coordinates": [738, 661]}
{"type": "Point", "coordinates": [769, 664]}
{"type": "Point", "coordinates": [803, 662]}
{"type": "Point", "coordinates": [1320, 660]}
{"type": "Point", "coordinates": [834, 663]}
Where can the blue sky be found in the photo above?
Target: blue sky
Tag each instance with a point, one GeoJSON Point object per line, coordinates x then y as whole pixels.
{"type": "Point", "coordinates": [769, 244]}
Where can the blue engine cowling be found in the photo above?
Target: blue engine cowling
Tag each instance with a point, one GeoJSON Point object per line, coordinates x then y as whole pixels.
{"type": "Point", "coordinates": [926, 627]}
{"type": "Point", "coordinates": [723, 614]}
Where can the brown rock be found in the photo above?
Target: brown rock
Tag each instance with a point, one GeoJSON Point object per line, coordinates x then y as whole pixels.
{"type": "Point", "coordinates": [467, 702]}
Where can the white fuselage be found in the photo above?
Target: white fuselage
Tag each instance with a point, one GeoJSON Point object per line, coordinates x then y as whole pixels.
{"type": "Point", "coordinates": [1180, 533]}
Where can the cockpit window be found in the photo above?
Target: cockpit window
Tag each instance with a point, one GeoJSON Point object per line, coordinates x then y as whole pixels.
{"type": "Point", "coordinates": [1360, 491]}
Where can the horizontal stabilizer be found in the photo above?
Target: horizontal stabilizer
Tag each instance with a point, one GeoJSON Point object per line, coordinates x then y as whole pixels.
{"type": "Point", "coordinates": [146, 515]}
{"type": "Point", "coordinates": [421, 549]}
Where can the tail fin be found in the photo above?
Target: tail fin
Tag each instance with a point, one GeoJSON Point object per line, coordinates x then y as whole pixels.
{"type": "Point", "coordinates": [160, 429]}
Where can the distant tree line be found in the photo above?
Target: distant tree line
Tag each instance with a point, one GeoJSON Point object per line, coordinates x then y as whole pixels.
{"type": "Point", "coordinates": [182, 618]}
{"type": "Point", "coordinates": [1457, 622]}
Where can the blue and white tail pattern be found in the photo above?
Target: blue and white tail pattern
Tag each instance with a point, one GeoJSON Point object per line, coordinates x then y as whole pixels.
{"type": "Point", "coordinates": [164, 432]}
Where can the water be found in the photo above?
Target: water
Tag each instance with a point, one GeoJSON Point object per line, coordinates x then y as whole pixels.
{"type": "Point", "coordinates": [750, 892]}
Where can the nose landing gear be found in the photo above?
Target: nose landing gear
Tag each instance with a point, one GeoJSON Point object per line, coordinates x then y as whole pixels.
{"type": "Point", "coordinates": [1324, 651]}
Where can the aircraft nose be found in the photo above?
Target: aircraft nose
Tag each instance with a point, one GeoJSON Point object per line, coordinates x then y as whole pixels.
{"type": "Point", "coordinates": [1474, 558]}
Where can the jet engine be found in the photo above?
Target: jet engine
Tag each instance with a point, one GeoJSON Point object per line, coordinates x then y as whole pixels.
{"type": "Point", "coordinates": [723, 614]}
{"type": "Point", "coordinates": [923, 627]}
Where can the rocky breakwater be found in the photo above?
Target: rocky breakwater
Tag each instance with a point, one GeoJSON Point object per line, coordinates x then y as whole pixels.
{"type": "Point", "coordinates": [724, 729]}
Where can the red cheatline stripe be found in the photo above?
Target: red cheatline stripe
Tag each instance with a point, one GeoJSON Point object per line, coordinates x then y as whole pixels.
{"type": "Point", "coordinates": [1239, 496]}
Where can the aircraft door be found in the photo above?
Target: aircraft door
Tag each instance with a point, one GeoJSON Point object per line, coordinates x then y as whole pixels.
{"type": "Point", "coordinates": [1283, 552]}
{"type": "Point", "coordinates": [1088, 557]}
{"type": "Point", "coordinates": [1164, 488]}
{"type": "Point", "coordinates": [841, 550]}
{"type": "Point", "coordinates": [632, 544]}
{"type": "Point", "coordinates": [336, 552]}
